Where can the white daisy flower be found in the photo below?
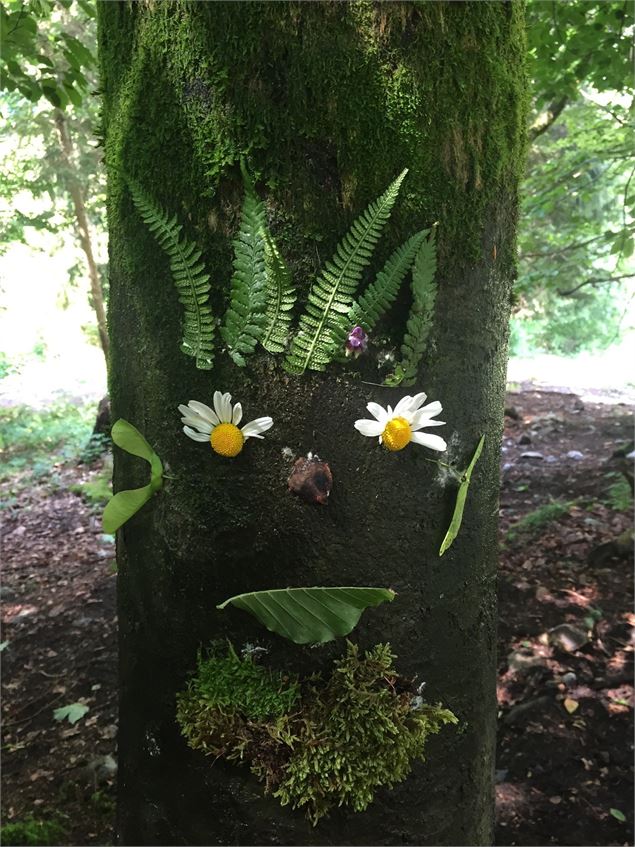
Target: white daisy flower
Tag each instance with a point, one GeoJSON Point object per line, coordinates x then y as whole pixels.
{"type": "Point", "coordinates": [220, 425]}
{"type": "Point", "coordinates": [398, 428]}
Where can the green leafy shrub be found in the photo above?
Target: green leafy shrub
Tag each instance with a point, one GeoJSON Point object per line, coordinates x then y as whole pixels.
{"type": "Point", "coordinates": [33, 440]}
{"type": "Point", "coordinates": [619, 495]}
{"type": "Point", "coordinates": [318, 744]}
{"type": "Point", "coordinates": [541, 517]}
{"type": "Point", "coordinates": [97, 490]}
{"type": "Point", "coordinates": [33, 832]}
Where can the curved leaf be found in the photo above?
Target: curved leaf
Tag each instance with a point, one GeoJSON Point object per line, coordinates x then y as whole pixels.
{"type": "Point", "coordinates": [128, 437]}
{"type": "Point", "coordinates": [310, 615]}
{"type": "Point", "coordinates": [124, 505]}
{"type": "Point", "coordinates": [457, 517]}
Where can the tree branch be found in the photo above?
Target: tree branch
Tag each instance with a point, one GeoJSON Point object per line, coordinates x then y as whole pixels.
{"type": "Point", "coordinates": [547, 118]}
{"type": "Point", "coordinates": [570, 291]}
{"type": "Point", "coordinates": [576, 246]}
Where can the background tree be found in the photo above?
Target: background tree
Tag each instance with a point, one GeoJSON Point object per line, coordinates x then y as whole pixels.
{"type": "Point", "coordinates": [47, 66]}
{"type": "Point", "coordinates": [328, 102]}
{"type": "Point", "coordinates": [576, 236]}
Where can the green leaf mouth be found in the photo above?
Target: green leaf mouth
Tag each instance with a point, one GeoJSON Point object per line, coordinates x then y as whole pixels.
{"type": "Point", "coordinates": [310, 615]}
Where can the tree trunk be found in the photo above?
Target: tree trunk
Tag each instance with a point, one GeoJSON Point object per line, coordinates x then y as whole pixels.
{"type": "Point", "coordinates": [328, 101]}
{"type": "Point", "coordinates": [83, 229]}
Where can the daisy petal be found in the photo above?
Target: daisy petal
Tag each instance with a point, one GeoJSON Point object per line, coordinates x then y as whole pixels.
{"type": "Point", "coordinates": [195, 436]}
{"type": "Point", "coordinates": [434, 442]}
{"type": "Point", "coordinates": [226, 405]}
{"type": "Point", "coordinates": [237, 414]}
{"type": "Point", "coordinates": [377, 411]}
{"type": "Point", "coordinates": [204, 412]}
{"type": "Point", "coordinates": [218, 400]}
{"type": "Point", "coordinates": [424, 422]}
{"type": "Point", "coordinates": [431, 409]}
{"type": "Point", "coordinates": [403, 406]}
{"type": "Point", "coordinates": [197, 423]}
{"type": "Point", "coordinates": [418, 400]}
{"type": "Point", "coordinates": [370, 428]}
{"type": "Point", "coordinates": [253, 428]}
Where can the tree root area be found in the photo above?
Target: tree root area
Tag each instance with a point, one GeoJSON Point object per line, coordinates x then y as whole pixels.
{"type": "Point", "coordinates": [565, 684]}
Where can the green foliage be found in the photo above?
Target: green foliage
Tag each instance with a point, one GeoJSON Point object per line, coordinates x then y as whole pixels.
{"type": "Point", "coordinates": [310, 615]}
{"type": "Point", "coordinates": [368, 735]}
{"type": "Point", "coordinates": [619, 495]}
{"type": "Point", "coordinates": [381, 293]}
{"type": "Point", "coordinates": [579, 44]}
{"type": "Point", "coordinates": [315, 746]}
{"type": "Point", "coordinates": [247, 315]}
{"type": "Point", "coordinates": [71, 713]}
{"type": "Point", "coordinates": [577, 231]}
{"type": "Point", "coordinates": [32, 441]}
{"type": "Point", "coordinates": [188, 275]}
{"type": "Point", "coordinates": [280, 299]}
{"type": "Point", "coordinates": [461, 495]}
{"type": "Point", "coordinates": [39, 59]}
{"type": "Point", "coordinates": [127, 503]}
{"type": "Point", "coordinates": [420, 320]}
{"type": "Point", "coordinates": [331, 297]}
{"type": "Point", "coordinates": [541, 517]}
{"type": "Point", "coordinates": [97, 490]}
{"type": "Point", "coordinates": [32, 831]}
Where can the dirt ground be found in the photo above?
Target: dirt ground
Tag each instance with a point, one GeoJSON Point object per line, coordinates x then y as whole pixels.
{"type": "Point", "coordinates": [564, 769]}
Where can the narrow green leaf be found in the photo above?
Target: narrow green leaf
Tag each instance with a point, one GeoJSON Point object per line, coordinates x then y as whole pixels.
{"type": "Point", "coordinates": [457, 517]}
{"type": "Point", "coordinates": [310, 615]}
{"type": "Point", "coordinates": [124, 505]}
{"type": "Point", "coordinates": [619, 816]}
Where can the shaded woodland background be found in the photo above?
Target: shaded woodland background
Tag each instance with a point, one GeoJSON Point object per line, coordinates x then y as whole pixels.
{"type": "Point", "coordinates": [565, 692]}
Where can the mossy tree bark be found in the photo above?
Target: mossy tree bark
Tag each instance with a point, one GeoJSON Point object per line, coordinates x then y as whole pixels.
{"type": "Point", "coordinates": [328, 101]}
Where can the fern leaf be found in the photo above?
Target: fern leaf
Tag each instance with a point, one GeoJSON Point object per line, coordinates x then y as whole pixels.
{"type": "Point", "coordinates": [280, 299]}
{"type": "Point", "coordinates": [331, 297]}
{"type": "Point", "coordinates": [246, 317]}
{"type": "Point", "coordinates": [424, 293]}
{"type": "Point", "coordinates": [188, 275]}
{"type": "Point", "coordinates": [380, 294]}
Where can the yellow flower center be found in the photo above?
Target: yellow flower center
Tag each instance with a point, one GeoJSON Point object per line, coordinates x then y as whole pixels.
{"type": "Point", "coordinates": [227, 439]}
{"type": "Point", "coordinates": [396, 434]}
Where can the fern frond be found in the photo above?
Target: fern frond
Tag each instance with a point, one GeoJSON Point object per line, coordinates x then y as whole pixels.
{"type": "Point", "coordinates": [188, 275]}
{"type": "Point", "coordinates": [246, 319]}
{"type": "Point", "coordinates": [280, 298]}
{"type": "Point", "coordinates": [331, 297]}
{"type": "Point", "coordinates": [380, 294]}
{"type": "Point", "coordinates": [424, 293]}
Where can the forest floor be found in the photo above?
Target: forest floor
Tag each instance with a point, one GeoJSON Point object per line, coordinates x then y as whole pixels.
{"type": "Point", "coordinates": [564, 770]}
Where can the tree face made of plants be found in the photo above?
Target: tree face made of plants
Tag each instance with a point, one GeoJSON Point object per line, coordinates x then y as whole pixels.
{"type": "Point", "coordinates": [234, 707]}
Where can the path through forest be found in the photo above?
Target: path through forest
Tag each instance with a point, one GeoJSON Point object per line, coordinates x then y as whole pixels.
{"type": "Point", "coordinates": [564, 769]}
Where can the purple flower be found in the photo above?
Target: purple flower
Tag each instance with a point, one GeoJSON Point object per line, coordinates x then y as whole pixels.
{"type": "Point", "coordinates": [357, 342]}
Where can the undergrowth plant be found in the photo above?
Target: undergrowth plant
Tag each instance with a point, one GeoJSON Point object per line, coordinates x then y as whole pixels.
{"type": "Point", "coordinates": [32, 831]}
{"type": "Point", "coordinates": [263, 296]}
